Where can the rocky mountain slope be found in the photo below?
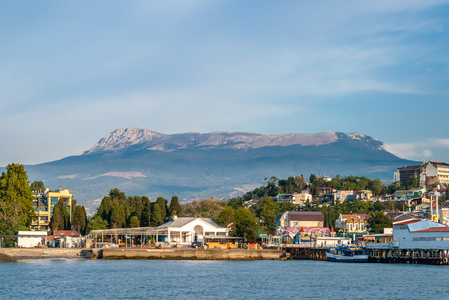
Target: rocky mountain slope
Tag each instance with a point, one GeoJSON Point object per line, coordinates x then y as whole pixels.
{"type": "Point", "coordinates": [219, 164]}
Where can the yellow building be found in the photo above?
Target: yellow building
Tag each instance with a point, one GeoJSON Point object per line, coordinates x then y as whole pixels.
{"type": "Point", "coordinates": [44, 204]}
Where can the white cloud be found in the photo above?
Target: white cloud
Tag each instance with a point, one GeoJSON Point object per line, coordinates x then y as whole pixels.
{"type": "Point", "coordinates": [126, 175]}
{"type": "Point", "coordinates": [442, 142]}
{"type": "Point", "coordinates": [430, 149]}
{"type": "Point", "coordinates": [403, 150]}
{"type": "Point", "coordinates": [427, 153]}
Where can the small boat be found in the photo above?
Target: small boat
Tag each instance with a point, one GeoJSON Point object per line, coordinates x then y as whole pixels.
{"type": "Point", "coordinates": [345, 253]}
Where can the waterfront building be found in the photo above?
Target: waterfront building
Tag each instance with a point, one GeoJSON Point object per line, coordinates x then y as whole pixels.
{"type": "Point", "coordinates": [65, 239]}
{"type": "Point", "coordinates": [29, 239]}
{"type": "Point", "coordinates": [188, 230]}
{"type": "Point", "coordinates": [420, 234]}
{"type": "Point", "coordinates": [43, 205]}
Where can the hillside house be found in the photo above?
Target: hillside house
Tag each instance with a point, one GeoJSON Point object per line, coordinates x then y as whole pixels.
{"type": "Point", "coordinates": [293, 222]}
{"type": "Point", "coordinates": [298, 199]}
{"type": "Point", "coordinates": [352, 223]}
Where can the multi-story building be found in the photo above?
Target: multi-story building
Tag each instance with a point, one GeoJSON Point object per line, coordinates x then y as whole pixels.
{"type": "Point", "coordinates": [292, 222]}
{"type": "Point", "coordinates": [322, 191]}
{"type": "Point", "coordinates": [436, 171]}
{"type": "Point", "coordinates": [432, 172]}
{"type": "Point", "coordinates": [342, 196]}
{"type": "Point", "coordinates": [296, 198]}
{"type": "Point", "coordinates": [403, 174]}
{"type": "Point", "coordinates": [352, 223]}
{"type": "Point", "coordinates": [44, 204]}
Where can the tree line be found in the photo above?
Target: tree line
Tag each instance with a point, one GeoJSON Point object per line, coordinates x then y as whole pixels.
{"type": "Point", "coordinates": [119, 211]}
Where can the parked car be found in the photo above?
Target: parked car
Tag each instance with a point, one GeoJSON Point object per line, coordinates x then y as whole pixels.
{"type": "Point", "coordinates": [196, 244]}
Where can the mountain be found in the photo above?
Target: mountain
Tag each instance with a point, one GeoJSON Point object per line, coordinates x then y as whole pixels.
{"type": "Point", "coordinates": [219, 164]}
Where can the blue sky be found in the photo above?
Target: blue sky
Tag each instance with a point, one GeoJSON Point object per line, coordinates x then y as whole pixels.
{"type": "Point", "coordinates": [73, 71]}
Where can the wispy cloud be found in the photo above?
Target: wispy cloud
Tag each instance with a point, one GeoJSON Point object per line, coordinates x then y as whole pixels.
{"type": "Point", "coordinates": [200, 65]}
{"type": "Point", "coordinates": [429, 148]}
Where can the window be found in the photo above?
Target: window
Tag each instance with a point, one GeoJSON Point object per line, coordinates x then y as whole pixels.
{"type": "Point", "coordinates": [54, 200]}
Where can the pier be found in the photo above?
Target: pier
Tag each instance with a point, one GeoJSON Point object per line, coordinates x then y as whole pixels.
{"type": "Point", "coordinates": [412, 256]}
{"type": "Point", "coordinates": [300, 253]}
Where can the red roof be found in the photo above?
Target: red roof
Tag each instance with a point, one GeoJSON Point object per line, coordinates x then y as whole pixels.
{"type": "Point", "coordinates": [71, 233]}
{"type": "Point", "coordinates": [406, 222]}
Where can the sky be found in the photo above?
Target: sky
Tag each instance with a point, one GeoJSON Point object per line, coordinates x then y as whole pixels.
{"type": "Point", "coordinates": [73, 71]}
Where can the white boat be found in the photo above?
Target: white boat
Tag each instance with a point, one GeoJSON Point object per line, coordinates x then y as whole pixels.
{"type": "Point", "coordinates": [345, 253]}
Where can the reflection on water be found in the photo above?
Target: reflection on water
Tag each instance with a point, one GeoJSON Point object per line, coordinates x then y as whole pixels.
{"type": "Point", "coordinates": [143, 279]}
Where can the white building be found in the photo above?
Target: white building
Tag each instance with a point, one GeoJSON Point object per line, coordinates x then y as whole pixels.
{"type": "Point", "coordinates": [420, 234]}
{"type": "Point", "coordinates": [31, 238]}
{"type": "Point", "coordinates": [188, 230]}
{"type": "Point", "coordinates": [296, 198]}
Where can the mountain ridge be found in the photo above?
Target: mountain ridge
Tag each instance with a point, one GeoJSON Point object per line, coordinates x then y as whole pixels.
{"type": "Point", "coordinates": [125, 137]}
{"type": "Point", "coordinates": [220, 164]}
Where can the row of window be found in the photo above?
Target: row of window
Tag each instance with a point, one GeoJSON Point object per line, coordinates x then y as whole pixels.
{"type": "Point", "coordinates": [428, 239]}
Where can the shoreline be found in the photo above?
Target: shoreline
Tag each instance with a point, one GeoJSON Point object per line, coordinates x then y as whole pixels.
{"type": "Point", "coordinates": [13, 254]}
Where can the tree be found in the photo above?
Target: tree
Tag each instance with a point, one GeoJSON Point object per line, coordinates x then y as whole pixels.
{"type": "Point", "coordinates": [57, 219]}
{"type": "Point", "coordinates": [134, 222]}
{"type": "Point", "coordinates": [146, 212]}
{"type": "Point", "coordinates": [16, 198]}
{"type": "Point", "coordinates": [118, 214]}
{"type": "Point", "coordinates": [204, 208]}
{"type": "Point", "coordinates": [377, 221]}
{"type": "Point", "coordinates": [413, 181]}
{"type": "Point", "coordinates": [235, 203]}
{"type": "Point", "coordinates": [267, 212]}
{"type": "Point", "coordinates": [115, 193]}
{"type": "Point", "coordinates": [61, 218]}
{"type": "Point", "coordinates": [79, 220]}
{"type": "Point", "coordinates": [37, 186]}
{"type": "Point", "coordinates": [226, 217]}
{"type": "Point", "coordinates": [156, 218]}
{"type": "Point", "coordinates": [162, 202]}
{"type": "Point", "coordinates": [97, 223]}
{"type": "Point", "coordinates": [175, 207]}
{"type": "Point", "coordinates": [105, 209]}
{"type": "Point", "coordinates": [245, 225]}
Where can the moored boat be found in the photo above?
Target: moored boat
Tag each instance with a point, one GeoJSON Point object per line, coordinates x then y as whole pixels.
{"type": "Point", "coordinates": [345, 253]}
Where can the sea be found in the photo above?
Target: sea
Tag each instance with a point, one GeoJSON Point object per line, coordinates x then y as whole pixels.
{"type": "Point", "coordinates": [196, 279]}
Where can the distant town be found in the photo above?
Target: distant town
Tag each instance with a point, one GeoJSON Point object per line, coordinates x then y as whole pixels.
{"type": "Point", "coordinates": [405, 221]}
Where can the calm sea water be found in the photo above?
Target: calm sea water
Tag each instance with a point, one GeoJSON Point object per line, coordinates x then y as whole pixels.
{"type": "Point", "coordinates": [149, 279]}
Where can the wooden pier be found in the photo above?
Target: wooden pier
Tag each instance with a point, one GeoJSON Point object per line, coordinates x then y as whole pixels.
{"type": "Point", "coordinates": [300, 253]}
{"type": "Point", "coordinates": [412, 256]}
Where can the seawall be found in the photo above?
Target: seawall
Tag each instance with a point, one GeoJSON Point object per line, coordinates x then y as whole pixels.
{"type": "Point", "coordinates": [11, 254]}
{"type": "Point", "coordinates": [33, 253]}
{"type": "Point", "coordinates": [192, 254]}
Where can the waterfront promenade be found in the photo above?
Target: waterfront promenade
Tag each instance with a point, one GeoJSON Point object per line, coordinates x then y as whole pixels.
{"type": "Point", "coordinates": [135, 253]}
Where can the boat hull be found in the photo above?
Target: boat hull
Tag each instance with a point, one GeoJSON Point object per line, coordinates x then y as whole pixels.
{"type": "Point", "coordinates": [342, 258]}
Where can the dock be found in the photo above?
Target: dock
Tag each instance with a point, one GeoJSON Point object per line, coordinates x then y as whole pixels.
{"type": "Point", "coordinates": [412, 256]}
{"type": "Point", "coordinates": [301, 253]}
